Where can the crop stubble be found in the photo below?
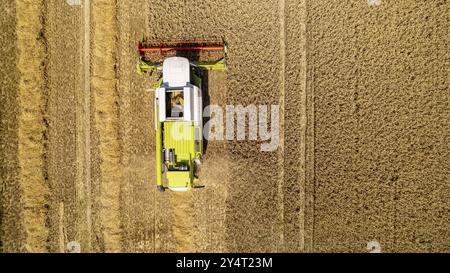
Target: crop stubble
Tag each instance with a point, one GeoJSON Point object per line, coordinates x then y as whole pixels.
{"type": "Point", "coordinates": [78, 164]}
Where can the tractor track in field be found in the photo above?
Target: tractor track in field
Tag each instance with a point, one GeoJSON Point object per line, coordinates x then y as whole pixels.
{"type": "Point", "coordinates": [87, 118]}
{"type": "Point", "coordinates": [282, 17]}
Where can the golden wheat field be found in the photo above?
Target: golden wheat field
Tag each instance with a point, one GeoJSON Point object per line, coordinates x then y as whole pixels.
{"type": "Point", "coordinates": [364, 142]}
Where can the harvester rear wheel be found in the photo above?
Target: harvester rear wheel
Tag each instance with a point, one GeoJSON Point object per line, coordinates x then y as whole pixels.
{"type": "Point", "coordinates": [197, 167]}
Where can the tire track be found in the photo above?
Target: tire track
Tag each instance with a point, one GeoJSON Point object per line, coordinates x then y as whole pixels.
{"type": "Point", "coordinates": [87, 107]}
{"type": "Point", "coordinates": [282, 7]}
{"type": "Point", "coordinates": [295, 124]}
{"type": "Point", "coordinates": [83, 184]}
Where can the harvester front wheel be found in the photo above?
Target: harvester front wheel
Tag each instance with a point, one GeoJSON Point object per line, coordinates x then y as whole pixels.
{"type": "Point", "coordinates": [161, 188]}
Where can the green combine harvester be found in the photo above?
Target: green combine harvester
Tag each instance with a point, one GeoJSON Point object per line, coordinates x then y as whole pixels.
{"type": "Point", "coordinates": [179, 106]}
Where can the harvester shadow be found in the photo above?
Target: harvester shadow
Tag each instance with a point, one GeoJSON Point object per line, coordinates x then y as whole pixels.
{"type": "Point", "coordinates": [206, 102]}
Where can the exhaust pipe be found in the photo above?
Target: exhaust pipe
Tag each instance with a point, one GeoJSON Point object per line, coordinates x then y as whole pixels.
{"type": "Point", "coordinates": [169, 155]}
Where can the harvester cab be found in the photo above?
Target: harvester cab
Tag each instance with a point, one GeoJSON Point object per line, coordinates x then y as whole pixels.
{"type": "Point", "coordinates": [179, 106]}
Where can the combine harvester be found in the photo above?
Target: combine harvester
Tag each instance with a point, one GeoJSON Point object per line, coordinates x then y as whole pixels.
{"type": "Point", "coordinates": [178, 105]}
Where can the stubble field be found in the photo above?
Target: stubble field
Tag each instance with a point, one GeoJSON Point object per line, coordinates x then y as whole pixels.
{"type": "Point", "coordinates": [364, 124]}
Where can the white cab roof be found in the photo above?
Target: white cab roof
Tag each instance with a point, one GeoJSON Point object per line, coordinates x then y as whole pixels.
{"type": "Point", "coordinates": [176, 71]}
